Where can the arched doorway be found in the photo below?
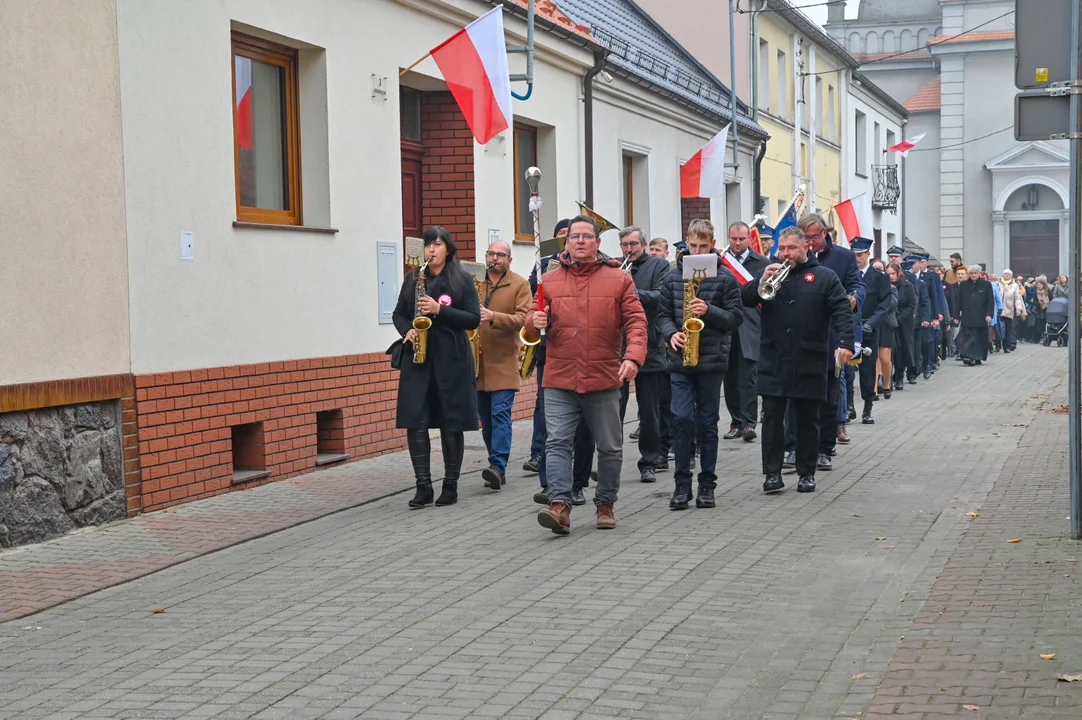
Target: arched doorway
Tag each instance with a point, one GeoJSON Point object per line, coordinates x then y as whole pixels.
{"type": "Point", "coordinates": [1033, 214]}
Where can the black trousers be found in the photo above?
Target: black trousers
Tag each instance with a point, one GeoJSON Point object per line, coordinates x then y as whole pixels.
{"type": "Point", "coordinates": [867, 367]}
{"type": "Point", "coordinates": [648, 393]}
{"type": "Point", "coordinates": [665, 412]}
{"type": "Point", "coordinates": [826, 420]}
{"type": "Point", "coordinates": [740, 398]}
{"type": "Point", "coordinates": [805, 414]}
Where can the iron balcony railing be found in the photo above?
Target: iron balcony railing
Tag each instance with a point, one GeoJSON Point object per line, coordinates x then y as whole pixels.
{"type": "Point", "coordinates": [887, 190]}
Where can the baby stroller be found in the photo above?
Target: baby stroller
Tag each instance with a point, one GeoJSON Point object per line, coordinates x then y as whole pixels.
{"type": "Point", "coordinates": [1055, 327]}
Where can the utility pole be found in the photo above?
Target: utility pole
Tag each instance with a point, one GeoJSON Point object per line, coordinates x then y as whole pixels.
{"type": "Point", "coordinates": [1075, 274]}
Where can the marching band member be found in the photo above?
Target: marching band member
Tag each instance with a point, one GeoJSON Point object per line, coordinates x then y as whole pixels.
{"type": "Point", "coordinates": [795, 359]}
{"type": "Point", "coordinates": [441, 391]}
{"type": "Point", "coordinates": [740, 397]}
{"type": "Point", "coordinates": [873, 312]}
{"type": "Point", "coordinates": [649, 274]}
{"type": "Point", "coordinates": [589, 304]}
{"type": "Point", "coordinates": [696, 389]}
{"type": "Point", "coordinates": [504, 302]}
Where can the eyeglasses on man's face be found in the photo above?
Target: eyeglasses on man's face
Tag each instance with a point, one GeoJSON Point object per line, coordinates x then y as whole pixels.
{"type": "Point", "coordinates": [582, 236]}
{"type": "Point", "coordinates": [631, 244]}
{"type": "Point", "coordinates": [497, 255]}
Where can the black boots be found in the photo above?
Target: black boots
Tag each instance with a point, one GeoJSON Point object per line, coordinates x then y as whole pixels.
{"type": "Point", "coordinates": [454, 444]}
{"type": "Point", "coordinates": [680, 497]}
{"type": "Point", "coordinates": [420, 450]}
{"type": "Point", "coordinates": [866, 417]}
{"type": "Point", "coordinates": [705, 498]}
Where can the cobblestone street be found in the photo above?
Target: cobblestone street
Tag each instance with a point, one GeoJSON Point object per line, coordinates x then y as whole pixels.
{"type": "Point", "coordinates": [877, 595]}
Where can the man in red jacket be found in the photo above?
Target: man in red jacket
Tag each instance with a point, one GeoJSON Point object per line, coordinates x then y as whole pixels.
{"type": "Point", "coordinates": [590, 304]}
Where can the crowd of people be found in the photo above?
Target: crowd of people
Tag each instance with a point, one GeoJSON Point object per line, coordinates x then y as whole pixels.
{"type": "Point", "coordinates": [790, 341]}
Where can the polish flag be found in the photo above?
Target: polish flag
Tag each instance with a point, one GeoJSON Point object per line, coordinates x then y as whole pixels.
{"type": "Point", "coordinates": [854, 215]}
{"type": "Point", "coordinates": [906, 145]}
{"type": "Point", "coordinates": [704, 174]}
{"type": "Point", "coordinates": [243, 71]}
{"type": "Point", "coordinates": [730, 261]}
{"type": "Point", "coordinates": [755, 242]}
{"type": "Point", "coordinates": [474, 64]}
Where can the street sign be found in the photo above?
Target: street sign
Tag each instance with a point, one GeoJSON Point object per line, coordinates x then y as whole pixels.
{"type": "Point", "coordinates": [1041, 116]}
{"type": "Point", "coordinates": [1042, 48]}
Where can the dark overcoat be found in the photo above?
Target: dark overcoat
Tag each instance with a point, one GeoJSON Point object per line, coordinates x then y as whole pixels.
{"type": "Point", "coordinates": [795, 354]}
{"type": "Point", "coordinates": [976, 302]}
{"type": "Point", "coordinates": [650, 274]}
{"type": "Point", "coordinates": [724, 314]}
{"type": "Point", "coordinates": [748, 333]}
{"type": "Point", "coordinates": [448, 370]}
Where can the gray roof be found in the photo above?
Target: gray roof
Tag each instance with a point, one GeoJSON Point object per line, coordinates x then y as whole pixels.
{"type": "Point", "coordinates": [640, 50]}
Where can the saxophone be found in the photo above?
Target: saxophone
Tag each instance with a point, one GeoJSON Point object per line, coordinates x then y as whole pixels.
{"type": "Point", "coordinates": [421, 322]}
{"type": "Point", "coordinates": [475, 334]}
{"type": "Point", "coordinates": [692, 325]}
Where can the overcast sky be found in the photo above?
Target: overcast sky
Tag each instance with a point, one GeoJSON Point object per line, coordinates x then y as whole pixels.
{"type": "Point", "coordinates": [819, 14]}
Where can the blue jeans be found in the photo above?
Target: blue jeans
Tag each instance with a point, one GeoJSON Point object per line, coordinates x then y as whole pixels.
{"type": "Point", "coordinates": [537, 442]}
{"type": "Point", "coordinates": [696, 408]}
{"type": "Point", "coordinates": [494, 408]}
{"type": "Point", "coordinates": [843, 398]}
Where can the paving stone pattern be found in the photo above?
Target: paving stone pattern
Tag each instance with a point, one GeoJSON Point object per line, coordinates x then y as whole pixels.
{"type": "Point", "coordinates": [823, 605]}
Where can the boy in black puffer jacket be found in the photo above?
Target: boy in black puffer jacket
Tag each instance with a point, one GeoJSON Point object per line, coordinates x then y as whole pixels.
{"type": "Point", "coordinates": [696, 391]}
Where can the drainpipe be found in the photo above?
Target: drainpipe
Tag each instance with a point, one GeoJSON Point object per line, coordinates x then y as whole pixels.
{"type": "Point", "coordinates": [754, 44]}
{"type": "Point", "coordinates": [757, 181]}
{"type": "Point", "coordinates": [588, 121]}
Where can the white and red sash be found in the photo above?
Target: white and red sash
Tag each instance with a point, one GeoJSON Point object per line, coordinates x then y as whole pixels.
{"type": "Point", "coordinates": [733, 263]}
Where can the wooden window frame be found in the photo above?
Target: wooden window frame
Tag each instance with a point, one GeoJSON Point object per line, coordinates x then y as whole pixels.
{"type": "Point", "coordinates": [520, 175]}
{"type": "Point", "coordinates": [286, 58]}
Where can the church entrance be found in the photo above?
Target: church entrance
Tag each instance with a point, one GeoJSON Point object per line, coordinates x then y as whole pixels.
{"type": "Point", "coordinates": [1035, 247]}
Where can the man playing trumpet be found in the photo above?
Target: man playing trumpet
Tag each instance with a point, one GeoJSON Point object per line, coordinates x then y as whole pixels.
{"type": "Point", "coordinates": [713, 306]}
{"type": "Point", "coordinates": [795, 361]}
{"type": "Point", "coordinates": [505, 298]}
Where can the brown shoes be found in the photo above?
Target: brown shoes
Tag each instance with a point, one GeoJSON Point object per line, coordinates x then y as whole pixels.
{"type": "Point", "coordinates": [843, 435]}
{"type": "Point", "coordinates": [606, 518]}
{"type": "Point", "coordinates": [557, 518]}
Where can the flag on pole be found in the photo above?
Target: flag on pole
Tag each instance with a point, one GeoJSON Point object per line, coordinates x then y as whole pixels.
{"type": "Point", "coordinates": [474, 64]}
{"type": "Point", "coordinates": [754, 241]}
{"type": "Point", "coordinates": [906, 145]}
{"type": "Point", "coordinates": [704, 174]}
{"type": "Point", "coordinates": [602, 223]}
{"type": "Point", "coordinates": [854, 215]}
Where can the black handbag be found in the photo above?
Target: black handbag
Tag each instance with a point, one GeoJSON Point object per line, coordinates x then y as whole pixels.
{"type": "Point", "coordinates": [395, 351]}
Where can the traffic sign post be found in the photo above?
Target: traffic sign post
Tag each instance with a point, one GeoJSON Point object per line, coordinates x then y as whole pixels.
{"type": "Point", "coordinates": [1048, 69]}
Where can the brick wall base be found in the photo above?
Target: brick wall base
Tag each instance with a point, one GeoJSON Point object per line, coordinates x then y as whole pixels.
{"type": "Point", "coordinates": [186, 421]}
{"type": "Point", "coordinates": [690, 209]}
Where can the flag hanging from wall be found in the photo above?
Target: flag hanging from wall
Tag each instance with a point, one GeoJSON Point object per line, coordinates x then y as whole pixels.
{"type": "Point", "coordinates": [704, 174]}
{"type": "Point", "coordinates": [905, 146]}
{"type": "Point", "coordinates": [474, 64]}
{"type": "Point", "coordinates": [855, 216]}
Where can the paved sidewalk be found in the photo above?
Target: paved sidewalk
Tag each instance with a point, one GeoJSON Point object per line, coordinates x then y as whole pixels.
{"type": "Point", "coordinates": [790, 607]}
{"type": "Point", "coordinates": [36, 577]}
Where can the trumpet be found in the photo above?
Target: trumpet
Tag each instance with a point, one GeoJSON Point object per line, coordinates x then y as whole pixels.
{"type": "Point", "coordinates": [626, 265]}
{"type": "Point", "coordinates": [768, 289]}
{"type": "Point", "coordinates": [421, 322]}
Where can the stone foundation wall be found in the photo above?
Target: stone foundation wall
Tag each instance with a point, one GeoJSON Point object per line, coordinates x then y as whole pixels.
{"type": "Point", "coordinates": [61, 468]}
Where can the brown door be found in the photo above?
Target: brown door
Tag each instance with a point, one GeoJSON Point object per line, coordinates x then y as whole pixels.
{"type": "Point", "coordinates": [1035, 247]}
{"type": "Point", "coordinates": [412, 218]}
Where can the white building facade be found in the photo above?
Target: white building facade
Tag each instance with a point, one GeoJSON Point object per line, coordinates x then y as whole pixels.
{"type": "Point", "coordinates": [238, 202]}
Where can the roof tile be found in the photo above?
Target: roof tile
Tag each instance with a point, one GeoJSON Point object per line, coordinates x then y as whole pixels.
{"type": "Point", "coordinates": [925, 99]}
{"type": "Point", "coordinates": [974, 37]}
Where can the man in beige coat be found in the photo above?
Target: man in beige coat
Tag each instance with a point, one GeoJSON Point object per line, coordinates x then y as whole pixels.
{"type": "Point", "coordinates": [505, 297]}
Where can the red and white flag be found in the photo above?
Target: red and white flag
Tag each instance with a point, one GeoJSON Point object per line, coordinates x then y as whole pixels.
{"type": "Point", "coordinates": [730, 261]}
{"type": "Point", "coordinates": [474, 64]}
{"type": "Point", "coordinates": [245, 132]}
{"type": "Point", "coordinates": [855, 217]}
{"type": "Point", "coordinates": [704, 174]}
{"type": "Point", "coordinates": [906, 145]}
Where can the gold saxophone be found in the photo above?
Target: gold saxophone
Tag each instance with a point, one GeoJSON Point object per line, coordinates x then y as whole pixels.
{"type": "Point", "coordinates": [527, 354]}
{"type": "Point", "coordinates": [692, 325]}
{"type": "Point", "coordinates": [475, 334]}
{"type": "Point", "coordinates": [421, 322]}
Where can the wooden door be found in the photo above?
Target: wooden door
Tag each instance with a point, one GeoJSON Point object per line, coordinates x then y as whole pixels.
{"type": "Point", "coordinates": [1035, 247]}
{"type": "Point", "coordinates": [412, 213]}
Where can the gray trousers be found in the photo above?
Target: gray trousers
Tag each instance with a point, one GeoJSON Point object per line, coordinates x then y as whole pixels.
{"type": "Point", "coordinates": [564, 410]}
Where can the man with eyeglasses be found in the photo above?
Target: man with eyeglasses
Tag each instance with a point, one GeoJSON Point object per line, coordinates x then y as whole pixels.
{"type": "Point", "coordinates": [590, 304]}
{"type": "Point", "coordinates": [648, 273]}
{"type": "Point", "coordinates": [843, 262]}
{"type": "Point", "coordinates": [740, 397]}
{"type": "Point", "coordinates": [505, 298]}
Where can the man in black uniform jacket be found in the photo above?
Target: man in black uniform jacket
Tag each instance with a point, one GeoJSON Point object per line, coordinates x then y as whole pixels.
{"type": "Point", "coordinates": [873, 313]}
{"type": "Point", "coordinates": [794, 357]}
